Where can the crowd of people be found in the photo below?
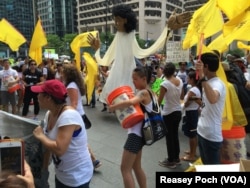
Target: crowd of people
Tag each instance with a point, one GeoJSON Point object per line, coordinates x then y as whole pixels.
{"type": "Point", "coordinates": [58, 87]}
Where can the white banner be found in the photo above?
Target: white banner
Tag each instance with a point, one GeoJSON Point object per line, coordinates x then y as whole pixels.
{"type": "Point", "coordinates": [175, 53]}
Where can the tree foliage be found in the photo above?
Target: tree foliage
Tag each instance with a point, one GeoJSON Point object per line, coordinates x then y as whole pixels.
{"type": "Point", "coordinates": [62, 45]}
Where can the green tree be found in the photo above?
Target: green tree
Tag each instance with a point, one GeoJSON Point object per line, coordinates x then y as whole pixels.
{"type": "Point", "coordinates": [67, 39]}
{"type": "Point", "coordinates": [55, 42]}
{"type": "Point", "coordinates": [236, 51]}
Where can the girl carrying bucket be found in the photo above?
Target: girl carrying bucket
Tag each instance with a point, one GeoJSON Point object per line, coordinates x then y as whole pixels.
{"type": "Point", "coordinates": [132, 153]}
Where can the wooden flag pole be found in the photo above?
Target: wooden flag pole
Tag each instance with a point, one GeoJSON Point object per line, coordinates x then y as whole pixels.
{"type": "Point", "coordinates": [199, 53]}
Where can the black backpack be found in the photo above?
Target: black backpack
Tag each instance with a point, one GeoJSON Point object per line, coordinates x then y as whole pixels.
{"type": "Point", "coordinates": [237, 78]}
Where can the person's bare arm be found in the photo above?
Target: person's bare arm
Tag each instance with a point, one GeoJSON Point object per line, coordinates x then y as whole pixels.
{"type": "Point", "coordinates": [73, 97]}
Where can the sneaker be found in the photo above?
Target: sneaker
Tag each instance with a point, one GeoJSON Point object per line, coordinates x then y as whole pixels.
{"type": "Point", "coordinates": [97, 164]}
{"type": "Point", "coordinates": [177, 162]}
{"type": "Point", "coordinates": [166, 163]}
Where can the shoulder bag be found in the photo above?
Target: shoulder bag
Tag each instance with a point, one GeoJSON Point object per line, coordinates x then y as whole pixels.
{"type": "Point", "coordinates": [153, 128]}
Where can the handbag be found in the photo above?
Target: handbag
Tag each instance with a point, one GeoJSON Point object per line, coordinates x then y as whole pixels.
{"type": "Point", "coordinates": [86, 121]}
{"type": "Point", "coordinates": [153, 128]}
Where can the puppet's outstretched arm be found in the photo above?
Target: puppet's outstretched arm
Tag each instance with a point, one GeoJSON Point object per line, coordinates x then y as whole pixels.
{"type": "Point", "coordinates": [177, 21]}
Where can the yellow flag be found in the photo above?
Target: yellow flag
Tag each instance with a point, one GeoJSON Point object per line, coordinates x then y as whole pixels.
{"type": "Point", "coordinates": [233, 8]}
{"type": "Point", "coordinates": [207, 19]}
{"type": "Point", "coordinates": [37, 42]}
{"type": "Point", "coordinates": [218, 44]}
{"type": "Point", "coordinates": [241, 45]}
{"type": "Point", "coordinates": [238, 28]}
{"type": "Point", "coordinates": [80, 41]}
{"type": "Point", "coordinates": [10, 35]}
{"type": "Point", "coordinates": [227, 116]}
{"type": "Point", "coordinates": [92, 73]}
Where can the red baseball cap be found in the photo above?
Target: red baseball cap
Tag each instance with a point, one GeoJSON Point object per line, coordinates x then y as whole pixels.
{"type": "Point", "coordinates": [54, 88]}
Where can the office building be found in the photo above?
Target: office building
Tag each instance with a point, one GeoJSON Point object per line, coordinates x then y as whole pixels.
{"type": "Point", "coordinates": [151, 14]}
{"type": "Point", "coordinates": [58, 16]}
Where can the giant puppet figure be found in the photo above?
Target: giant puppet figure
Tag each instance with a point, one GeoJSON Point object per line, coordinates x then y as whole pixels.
{"type": "Point", "coordinates": [124, 48]}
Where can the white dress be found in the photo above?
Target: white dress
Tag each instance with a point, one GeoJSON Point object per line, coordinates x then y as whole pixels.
{"type": "Point", "coordinates": [122, 53]}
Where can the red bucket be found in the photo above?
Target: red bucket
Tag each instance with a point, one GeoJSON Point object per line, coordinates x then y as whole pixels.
{"type": "Point", "coordinates": [127, 117]}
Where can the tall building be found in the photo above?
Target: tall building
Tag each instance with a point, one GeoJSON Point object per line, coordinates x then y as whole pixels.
{"type": "Point", "coordinates": [193, 5]}
{"type": "Point", "coordinates": [20, 14]}
{"type": "Point", "coordinates": [151, 14]}
{"type": "Point", "coordinates": [58, 16]}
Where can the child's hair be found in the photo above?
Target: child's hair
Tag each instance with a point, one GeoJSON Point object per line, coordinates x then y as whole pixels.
{"type": "Point", "coordinates": [125, 11]}
{"type": "Point", "coordinates": [144, 72]}
{"type": "Point", "coordinates": [192, 75]}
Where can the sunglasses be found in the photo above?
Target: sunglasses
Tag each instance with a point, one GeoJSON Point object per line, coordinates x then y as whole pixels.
{"type": "Point", "coordinates": [32, 64]}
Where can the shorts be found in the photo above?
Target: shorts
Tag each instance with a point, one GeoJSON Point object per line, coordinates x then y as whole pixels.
{"type": "Point", "coordinates": [134, 143]}
{"type": "Point", "coordinates": [190, 123]}
{"type": "Point", "coordinates": [7, 98]}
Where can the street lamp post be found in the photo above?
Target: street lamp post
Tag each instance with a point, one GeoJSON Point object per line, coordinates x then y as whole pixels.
{"type": "Point", "coordinates": [87, 29]}
{"type": "Point", "coordinates": [147, 40]}
{"type": "Point", "coordinates": [106, 26]}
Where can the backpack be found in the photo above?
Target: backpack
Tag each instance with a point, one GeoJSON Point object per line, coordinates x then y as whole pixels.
{"type": "Point", "coordinates": [236, 77]}
{"type": "Point", "coordinates": [153, 128]}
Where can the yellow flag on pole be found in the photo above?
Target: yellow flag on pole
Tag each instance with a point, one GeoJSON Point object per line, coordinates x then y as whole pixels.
{"type": "Point", "coordinates": [92, 73]}
{"type": "Point", "coordinates": [233, 8]}
{"type": "Point", "coordinates": [80, 41]}
{"type": "Point", "coordinates": [227, 116]}
{"type": "Point", "coordinates": [218, 44]}
{"type": "Point", "coordinates": [10, 35]}
{"type": "Point", "coordinates": [207, 19]}
{"type": "Point", "coordinates": [238, 28]}
{"type": "Point", "coordinates": [241, 45]}
{"type": "Point", "coordinates": [37, 42]}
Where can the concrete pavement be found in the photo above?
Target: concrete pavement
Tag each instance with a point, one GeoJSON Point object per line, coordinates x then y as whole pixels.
{"type": "Point", "coordinates": [106, 139]}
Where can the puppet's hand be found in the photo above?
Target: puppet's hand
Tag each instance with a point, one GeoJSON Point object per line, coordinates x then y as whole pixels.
{"type": "Point", "coordinates": [94, 41]}
{"type": "Point", "coordinates": [177, 21]}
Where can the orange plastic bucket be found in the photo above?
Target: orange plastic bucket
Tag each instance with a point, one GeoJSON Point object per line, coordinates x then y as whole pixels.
{"type": "Point", "coordinates": [127, 117]}
{"type": "Point", "coordinates": [233, 147]}
{"type": "Point", "coordinates": [13, 88]}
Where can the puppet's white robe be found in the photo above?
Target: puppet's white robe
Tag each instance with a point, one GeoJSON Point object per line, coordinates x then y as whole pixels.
{"type": "Point", "coordinates": [121, 54]}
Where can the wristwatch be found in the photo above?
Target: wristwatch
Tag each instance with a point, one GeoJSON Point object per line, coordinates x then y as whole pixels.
{"type": "Point", "coordinates": [203, 79]}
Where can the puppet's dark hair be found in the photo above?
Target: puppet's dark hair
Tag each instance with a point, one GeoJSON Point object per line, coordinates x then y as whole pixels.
{"type": "Point", "coordinates": [125, 11]}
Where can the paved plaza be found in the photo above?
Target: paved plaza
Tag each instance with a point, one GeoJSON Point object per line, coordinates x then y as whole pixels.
{"type": "Point", "coordinates": [106, 139]}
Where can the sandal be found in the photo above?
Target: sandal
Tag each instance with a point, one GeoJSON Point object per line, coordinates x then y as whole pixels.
{"type": "Point", "coordinates": [188, 153]}
{"type": "Point", "coordinates": [187, 158]}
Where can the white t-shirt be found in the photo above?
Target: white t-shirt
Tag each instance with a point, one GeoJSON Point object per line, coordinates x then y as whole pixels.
{"type": "Point", "coordinates": [210, 121]}
{"type": "Point", "coordinates": [6, 77]}
{"type": "Point", "coordinates": [137, 128]}
{"type": "Point", "coordinates": [172, 97]}
{"type": "Point", "coordinates": [79, 106]}
{"type": "Point", "coordinates": [75, 166]}
{"type": "Point", "coordinates": [183, 76]}
{"type": "Point", "coordinates": [247, 76]}
{"type": "Point", "coordinates": [193, 105]}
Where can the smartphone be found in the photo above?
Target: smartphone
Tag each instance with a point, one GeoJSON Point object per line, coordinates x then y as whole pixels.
{"type": "Point", "coordinates": [12, 155]}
